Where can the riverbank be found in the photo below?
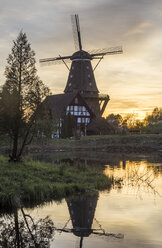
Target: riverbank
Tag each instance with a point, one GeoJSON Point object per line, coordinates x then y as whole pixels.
{"type": "Point", "coordinates": [142, 143]}
{"type": "Point", "coordinates": [29, 183]}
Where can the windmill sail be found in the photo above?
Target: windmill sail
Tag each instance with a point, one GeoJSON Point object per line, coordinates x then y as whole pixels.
{"type": "Point", "coordinates": [76, 32]}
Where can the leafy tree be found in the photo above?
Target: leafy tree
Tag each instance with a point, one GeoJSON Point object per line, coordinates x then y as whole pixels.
{"type": "Point", "coordinates": [115, 119]}
{"type": "Point", "coordinates": [21, 96]}
{"type": "Point", "coordinates": [155, 116]}
{"type": "Point", "coordinates": [68, 126]}
{"type": "Point", "coordinates": [130, 120]}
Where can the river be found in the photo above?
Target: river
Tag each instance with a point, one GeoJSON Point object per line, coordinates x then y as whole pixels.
{"type": "Point", "coordinates": [129, 215]}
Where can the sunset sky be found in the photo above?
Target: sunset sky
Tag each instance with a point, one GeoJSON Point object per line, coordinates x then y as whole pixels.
{"type": "Point", "coordinates": [133, 79]}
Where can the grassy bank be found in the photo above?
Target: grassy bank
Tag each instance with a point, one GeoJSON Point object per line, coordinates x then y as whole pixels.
{"type": "Point", "coordinates": [141, 143]}
{"type": "Point", "coordinates": [32, 182]}
{"type": "Point", "coordinates": [109, 143]}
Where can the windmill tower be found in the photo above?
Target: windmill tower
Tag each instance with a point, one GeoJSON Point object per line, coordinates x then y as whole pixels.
{"type": "Point", "coordinates": [81, 74]}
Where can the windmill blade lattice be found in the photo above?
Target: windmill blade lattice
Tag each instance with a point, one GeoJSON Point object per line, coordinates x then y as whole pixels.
{"type": "Point", "coordinates": [76, 32]}
{"type": "Point", "coordinates": [55, 60]}
{"type": "Point", "coordinates": [107, 51]}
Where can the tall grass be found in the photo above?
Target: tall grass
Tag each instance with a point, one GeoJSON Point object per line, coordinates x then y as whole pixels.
{"type": "Point", "coordinates": [31, 182]}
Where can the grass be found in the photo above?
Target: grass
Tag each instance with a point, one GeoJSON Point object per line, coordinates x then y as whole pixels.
{"type": "Point", "coordinates": [32, 182]}
{"type": "Point", "coordinates": [142, 143]}
{"type": "Point", "coordinates": [113, 143]}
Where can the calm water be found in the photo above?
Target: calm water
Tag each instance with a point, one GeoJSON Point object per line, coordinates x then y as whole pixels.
{"type": "Point", "coordinates": [129, 215]}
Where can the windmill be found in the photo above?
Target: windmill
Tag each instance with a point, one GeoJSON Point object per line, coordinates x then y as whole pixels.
{"type": "Point", "coordinates": [81, 74]}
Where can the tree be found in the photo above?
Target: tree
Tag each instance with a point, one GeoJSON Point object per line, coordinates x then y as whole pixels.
{"type": "Point", "coordinates": [21, 96]}
{"type": "Point", "coordinates": [155, 116]}
{"type": "Point", "coordinates": [115, 119]}
{"type": "Point", "coordinates": [68, 126]}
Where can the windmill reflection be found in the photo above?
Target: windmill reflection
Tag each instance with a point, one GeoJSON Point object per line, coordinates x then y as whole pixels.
{"type": "Point", "coordinates": [82, 212]}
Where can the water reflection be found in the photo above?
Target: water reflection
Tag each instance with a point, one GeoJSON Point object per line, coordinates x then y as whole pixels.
{"type": "Point", "coordinates": [82, 212]}
{"type": "Point", "coordinates": [19, 230]}
{"type": "Point", "coordinates": [93, 217]}
{"type": "Point", "coordinates": [139, 177]}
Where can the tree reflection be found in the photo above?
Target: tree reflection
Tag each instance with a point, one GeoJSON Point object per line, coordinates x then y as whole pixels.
{"type": "Point", "coordinates": [20, 230]}
{"type": "Point", "coordinates": [138, 177]}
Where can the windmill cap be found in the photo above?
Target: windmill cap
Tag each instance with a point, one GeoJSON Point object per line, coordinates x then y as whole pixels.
{"type": "Point", "coordinates": [81, 55]}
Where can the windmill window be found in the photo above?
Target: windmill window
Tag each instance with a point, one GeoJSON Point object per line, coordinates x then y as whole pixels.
{"type": "Point", "coordinates": [71, 75]}
{"type": "Point", "coordinates": [69, 84]}
{"type": "Point", "coordinates": [79, 120]}
{"type": "Point", "coordinates": [84, 109]}
{"type": "Point", "coordinates": [75, 108]}
{"type": "Point", "coordinates": [89, 75]}
{"type": "Point", "coordinates": [67, 108]}
{"type": "Point", "coordinates": [71, 112]}
{"type": "Point", "coordinates": [90, 84]}
{"type": "Point", "coordinates": [72, 67]}
{"type": "Point", "coordinates": [71, 107]}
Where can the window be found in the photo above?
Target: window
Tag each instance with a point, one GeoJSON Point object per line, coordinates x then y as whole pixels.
{"type": "Point", "coordinates": [87, 120]}
{"type": "Point", "coordinates": [79, 120]}
{"type": "Point", "coordinates": [87, 67]}
{"type": "Point", "coordinates": [75, 108]}
{"type": "Point", "coordinates": [72, 67]}
{"type": "Point", "coordinates": [69, 84]}
{"type": "Point", "coordinates": [90, 84]}
{"type": "Point", "coordinates": [71, 75]}
{"type": "Point", "coordinates": [89, 75]}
